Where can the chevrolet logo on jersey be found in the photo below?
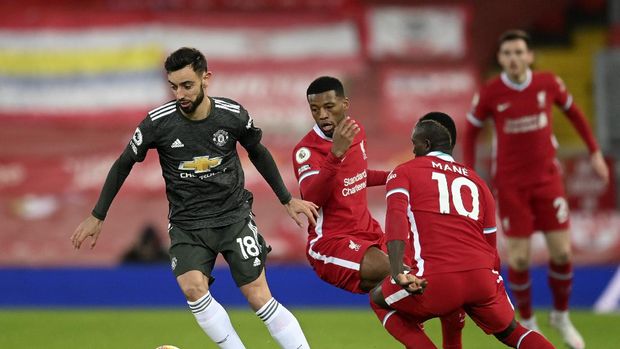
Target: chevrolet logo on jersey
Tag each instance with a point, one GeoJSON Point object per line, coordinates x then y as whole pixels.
{"type": "Point", "coordinates": [200, 164]}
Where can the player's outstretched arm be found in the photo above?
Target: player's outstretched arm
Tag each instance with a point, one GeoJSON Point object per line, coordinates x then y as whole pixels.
{"type": "Point", "coordinates": [91, 226]}
{"type": "Point", "coordinates": [307, 208]}
{"type": "Point", "coordinates": [600, 166]}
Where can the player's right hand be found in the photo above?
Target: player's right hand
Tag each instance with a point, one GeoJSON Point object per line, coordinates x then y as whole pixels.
{"type": "Point", "coordinates": [343, 136]}
{"type": "Point", "coordinates": [307, 208]}
{"type": "Point", "coordinates": [600, 166]}
{"type": "Point", "coordinates": [91, 226]}
{"type": "Point", "coordinates": [411, 283]}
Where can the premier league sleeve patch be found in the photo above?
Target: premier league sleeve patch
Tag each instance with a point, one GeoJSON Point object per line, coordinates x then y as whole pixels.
{"type": "Point", "coordinates": [302, 155]}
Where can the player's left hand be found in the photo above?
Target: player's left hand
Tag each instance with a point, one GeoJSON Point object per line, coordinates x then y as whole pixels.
{"type": "Point", "coordinates": [600, 166]}
{"type": "Point", "coordinates": [308, 208]}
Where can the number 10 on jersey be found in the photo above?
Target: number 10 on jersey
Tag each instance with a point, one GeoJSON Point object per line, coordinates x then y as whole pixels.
{"type": "Point", "coordinates": [457, 199]}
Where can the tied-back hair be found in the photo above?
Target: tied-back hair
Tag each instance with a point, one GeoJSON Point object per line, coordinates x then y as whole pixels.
{"type": "Point", "coordinates": [324, 84]}
{"type": "Point", "coordinates": [185, 56]}
{"type": "Point", "coordinates": [515, 34]}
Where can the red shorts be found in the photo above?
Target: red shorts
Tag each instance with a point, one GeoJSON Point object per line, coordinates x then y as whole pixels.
{"type": "Point", "coordinates": [337, 261]}
{"type": "Point", "coordinates": [479, 292]}
{"type": "Point", "coordinates": [542, 207]}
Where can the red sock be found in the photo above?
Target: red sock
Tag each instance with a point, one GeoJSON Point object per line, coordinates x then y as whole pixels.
{"type": "Point", "coordinates": [521, 287]}
{"type": "Point", "coordinates": [561, 282]}
{"type": "Point", "coordinates": [451, 328]}
{"type": "Point", "coordinates": [523, 338]}
{"type": "Point", "coordinates": [406, 331]}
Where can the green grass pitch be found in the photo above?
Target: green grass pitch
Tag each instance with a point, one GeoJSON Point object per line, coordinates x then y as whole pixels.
{"type": "Point", "coordinates": [325, 329]}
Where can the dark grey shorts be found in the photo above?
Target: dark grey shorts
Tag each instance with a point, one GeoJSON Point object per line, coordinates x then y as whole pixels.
{"type": "Point", "coordinates": [243, 248]}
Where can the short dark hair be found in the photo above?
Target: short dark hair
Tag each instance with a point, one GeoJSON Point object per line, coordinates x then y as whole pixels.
{"type": "Point", "coordinates": [185, 56]}
{"type": "Point", "coordinates": [324, 84]}
{"type": "Point", "coordinates": [438, 127]}
{"type": "Point", "coordinates": [515, 34]}
{"type": "Point", "coordinates": [445, 120]}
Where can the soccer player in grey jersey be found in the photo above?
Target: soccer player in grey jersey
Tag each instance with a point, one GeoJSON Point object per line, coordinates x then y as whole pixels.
{"type": "Point", "coordinates": [210, 209]}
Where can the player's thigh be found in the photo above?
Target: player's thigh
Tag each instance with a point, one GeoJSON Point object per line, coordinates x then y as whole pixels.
{"type": "Point", "coordinates": [244, 249]}
{"type": "Point", "coordinates": [551, 211]}
{"type": "Point", "coordinates": [487, 303]}
{"type": "Point", "coordinates": [514, 209]}
{"type": "Point", "coordinates": [338, 261]}
{"type": "Point", "coordinates": [189, 251]}
{"type": "Point", "coordinates": [375, 265]}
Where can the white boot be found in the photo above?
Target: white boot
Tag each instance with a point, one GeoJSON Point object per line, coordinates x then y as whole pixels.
{"type": "Point", "coordinates": [530, 324]}
{"type": "Point", "coordinates": [561, 322]}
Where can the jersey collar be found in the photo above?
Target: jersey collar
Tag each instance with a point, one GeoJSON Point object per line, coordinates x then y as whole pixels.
{"type": "Point", "coordinates": [443, 156]}
{"type": "Point", "coordinates": [320, 133]}
{"type": "Point", "coordinates": [513, 85]}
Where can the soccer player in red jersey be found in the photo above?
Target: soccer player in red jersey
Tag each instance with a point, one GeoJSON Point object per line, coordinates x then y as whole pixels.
{"type": "Point", "coordinates": [527, 177]}
{"type": "Point", "coordinates": [344, 248]}
{"type": "Point", "coordinates": [443, 215]}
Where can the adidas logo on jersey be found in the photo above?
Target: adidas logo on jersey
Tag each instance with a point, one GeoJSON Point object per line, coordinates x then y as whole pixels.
{"type": "Point", "coordinates": [256, 262]}
{"type": "Point", "coordinates": [177, 144]}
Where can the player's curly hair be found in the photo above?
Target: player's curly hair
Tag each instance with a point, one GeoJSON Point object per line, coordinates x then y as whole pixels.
{"type": "Point", "coordinates": [185, 56]}
{"type": "Point", "coordinates": [324, 84]}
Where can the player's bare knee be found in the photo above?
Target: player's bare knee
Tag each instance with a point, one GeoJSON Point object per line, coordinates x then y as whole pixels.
{"type": "Point", "coordinates": [194, 291]}
{"type": "Point", "coordinates": [256, 300]}
{"type": "Point", "coordinates": [257, 293]}
{"type": "Point", "coordinates": [561, 258]}
{"type": "Point", "coordinates": [519, 263]}
{"type": "Point", "coordinates": [193, 284]}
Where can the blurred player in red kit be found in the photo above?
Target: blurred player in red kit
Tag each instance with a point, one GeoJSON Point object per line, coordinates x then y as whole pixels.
{"type": "Point", "coordinates": [442, 215]}
{"type": "Point", "coordinates": [345, 247]}
{"type": "Point", "coordinates": [527, 178]}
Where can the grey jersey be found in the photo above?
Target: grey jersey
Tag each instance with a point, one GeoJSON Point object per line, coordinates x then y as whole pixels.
{"type": "Point", "coordinates": [199, 161]}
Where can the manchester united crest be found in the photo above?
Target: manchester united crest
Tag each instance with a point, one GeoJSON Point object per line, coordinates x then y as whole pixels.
{"type": "Point", "coordinates": [220, 137]}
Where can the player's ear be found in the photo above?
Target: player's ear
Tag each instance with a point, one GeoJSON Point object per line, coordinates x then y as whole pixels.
{"type": "Point", "coordinates": [345, 103]}
{"type": "Point", "coordinates": [428, 144]}
{"type": "Point", "coordinates": [205, 78]}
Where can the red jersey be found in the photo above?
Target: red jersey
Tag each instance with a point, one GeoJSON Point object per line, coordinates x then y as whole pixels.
{"type": "Point", "coordinates": [442, 210]}
{"type": "Point", "coordinates": [338, 186]}
{"type": "Point", "coordinates": [524, 145]}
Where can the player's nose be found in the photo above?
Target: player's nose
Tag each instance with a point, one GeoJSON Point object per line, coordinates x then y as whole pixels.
{"type": "Point", "coordinates": [179, 94]}
{"type": "Point", "coordinates": [323, 114]}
